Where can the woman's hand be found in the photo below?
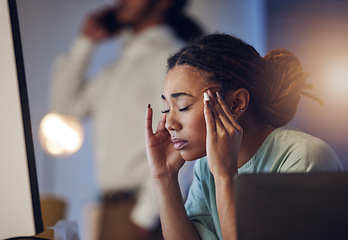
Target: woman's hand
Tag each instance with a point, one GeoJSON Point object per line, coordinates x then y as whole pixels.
{"type": "Point", "coordinates": [163, 159]}
{"type": "Point", "coordinates": [224, 137]}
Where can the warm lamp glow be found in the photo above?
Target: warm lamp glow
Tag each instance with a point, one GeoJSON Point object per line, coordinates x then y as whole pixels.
{"type": "Point", "coordinates": [337, 78]}
{"type": "Point", "coordinates": [60, 135]}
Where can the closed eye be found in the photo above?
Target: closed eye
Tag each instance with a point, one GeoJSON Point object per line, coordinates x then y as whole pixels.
{"type": "Point", "coordinates": [180, 110]}
{"type": "Point", "coordinates": [186, 108]}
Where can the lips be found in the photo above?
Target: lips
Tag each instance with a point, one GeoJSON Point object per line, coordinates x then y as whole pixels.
{"type": "Point", "coordinates": [179, 143]}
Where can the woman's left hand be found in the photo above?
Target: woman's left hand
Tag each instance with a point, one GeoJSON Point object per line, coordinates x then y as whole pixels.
{"type": "Point", "coordinates": [224, 136]}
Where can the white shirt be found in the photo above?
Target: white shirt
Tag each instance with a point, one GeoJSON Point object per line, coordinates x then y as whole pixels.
{"type": "Point", "coordinates": [116, 100]}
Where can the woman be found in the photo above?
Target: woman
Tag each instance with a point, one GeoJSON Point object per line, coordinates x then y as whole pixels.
{"type": "Point", "coordinates": [240, 129]}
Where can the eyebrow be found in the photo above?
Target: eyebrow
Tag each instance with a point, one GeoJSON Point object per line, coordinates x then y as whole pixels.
{"type": "Point", "coordinates": [176, 95]}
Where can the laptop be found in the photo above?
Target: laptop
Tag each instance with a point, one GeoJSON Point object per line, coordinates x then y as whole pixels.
{"type": "Point", "coordinates": [292, 206]}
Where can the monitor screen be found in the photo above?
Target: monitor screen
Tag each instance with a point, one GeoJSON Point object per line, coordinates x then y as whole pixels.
{"type": "Point", "coordinates": [19, 202]}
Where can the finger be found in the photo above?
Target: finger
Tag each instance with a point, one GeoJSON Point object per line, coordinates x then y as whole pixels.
{"type": "Point", "coordinates": [161, 124]}
{"type": "Point", "coordinates": [212, 105]}
{"type": "Point", "coordinates": [228, 112]}
{"type": "Point", "coordinates": [221, 120]}
{"type": "Point", "coordinates": [215, 102]}
{"type": "Point", "coordinates": [148, 123]}
{"type": "Point", "coordinates": [209, 119]}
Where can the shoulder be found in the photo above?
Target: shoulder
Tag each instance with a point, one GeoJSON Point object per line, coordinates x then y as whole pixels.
{"type": "Point", "coordinates": [302, 143]}
{"type": "Point", "coordinates": [163, 38]}
{"type": "Point", "coordinates": [303, 152]}
{"type": "Point", "coordinates": [161, 44]}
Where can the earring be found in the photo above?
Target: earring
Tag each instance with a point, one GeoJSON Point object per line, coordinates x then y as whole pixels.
{"type": "Point", "coordinates": [241, 110]}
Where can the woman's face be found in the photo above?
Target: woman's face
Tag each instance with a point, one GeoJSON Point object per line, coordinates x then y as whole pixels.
{"type": "Point", "coordinates": [183, 105]}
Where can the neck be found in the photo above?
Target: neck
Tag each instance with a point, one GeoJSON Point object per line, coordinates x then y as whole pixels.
{"type": "Point", "coordinates": [253, 137]}
{"type": "Point", "coordinates": [146, 23]}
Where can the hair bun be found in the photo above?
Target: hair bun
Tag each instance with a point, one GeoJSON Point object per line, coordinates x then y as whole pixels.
{"type": "Point", "coordinates": [285, 84]}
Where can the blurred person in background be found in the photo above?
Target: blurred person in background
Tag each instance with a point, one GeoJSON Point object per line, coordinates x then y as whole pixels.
{"type": "Point", "coordinates": [150, 30]}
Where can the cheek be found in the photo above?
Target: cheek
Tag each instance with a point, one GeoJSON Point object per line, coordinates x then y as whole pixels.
{"type": "Point", "coordinates": [197, 135]}
{"type": "Point", "coordinates": [201, 129]}
{"type": "Point", "coordinates": [197, 125]}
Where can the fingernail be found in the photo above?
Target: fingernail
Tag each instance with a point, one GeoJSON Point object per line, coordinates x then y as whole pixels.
{"type": "Point", "coordinates": [206, 97]}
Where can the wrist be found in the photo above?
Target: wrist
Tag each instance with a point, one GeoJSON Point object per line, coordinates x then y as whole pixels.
{"type": "Point", "coordinates": [224, 172]}
{"type": "Point", "coordinates": [166, 177]}
{"type": "Point", "coordinates": [165, 184]}
{"type": "Point", "coordinates": [226, 178]}
{"type": "Point", "coordinates": [89, 37]}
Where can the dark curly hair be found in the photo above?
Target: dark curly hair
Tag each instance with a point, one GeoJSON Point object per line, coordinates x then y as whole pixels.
{"type": "Point", "coordinates": [275, 82]}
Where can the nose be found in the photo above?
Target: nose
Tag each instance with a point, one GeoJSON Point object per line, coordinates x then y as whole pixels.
{"type": "Point", "coordinates": [172, 122]}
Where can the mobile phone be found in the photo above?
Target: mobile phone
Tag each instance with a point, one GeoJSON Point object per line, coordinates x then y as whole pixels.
{"type": "Point", "coordinates": [109, 22]}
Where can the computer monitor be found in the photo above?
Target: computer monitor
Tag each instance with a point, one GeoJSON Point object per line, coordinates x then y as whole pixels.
{"type": "Point", "coordinates": [20, 212]}
{"type": "Point", "coordinates": [292, 206]}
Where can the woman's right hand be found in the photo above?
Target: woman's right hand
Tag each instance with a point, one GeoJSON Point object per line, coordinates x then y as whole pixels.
{"type": "Point", "coordinates": [163, 159]}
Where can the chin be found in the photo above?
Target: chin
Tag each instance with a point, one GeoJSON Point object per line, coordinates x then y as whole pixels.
{"type": "Point", "coordinates": [192, 156]}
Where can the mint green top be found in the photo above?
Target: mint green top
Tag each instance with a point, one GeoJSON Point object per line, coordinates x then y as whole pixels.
{"type": "Point", "coordinates": [286, 149]}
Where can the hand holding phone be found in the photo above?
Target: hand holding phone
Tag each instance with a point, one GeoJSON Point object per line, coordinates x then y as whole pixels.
{"type": "Point", "coordinates": [101, 24]}
{"type": "Point", "coordinates": [109, 22]}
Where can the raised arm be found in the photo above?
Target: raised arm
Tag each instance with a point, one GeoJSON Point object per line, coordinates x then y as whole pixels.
{"type": "Point", "coordinates": [69, 93]}
{"type": "Point", "coordinates": [224, 136]}
{"type": "Point", "coordinates": [165, 162]}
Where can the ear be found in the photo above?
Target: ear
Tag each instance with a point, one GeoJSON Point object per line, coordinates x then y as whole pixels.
{"type": "Point", "coordinates": [239, 101]}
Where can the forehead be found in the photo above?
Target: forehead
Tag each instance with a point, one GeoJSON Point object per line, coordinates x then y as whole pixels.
{"type": "Point", "coordinates": [186, 79]}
